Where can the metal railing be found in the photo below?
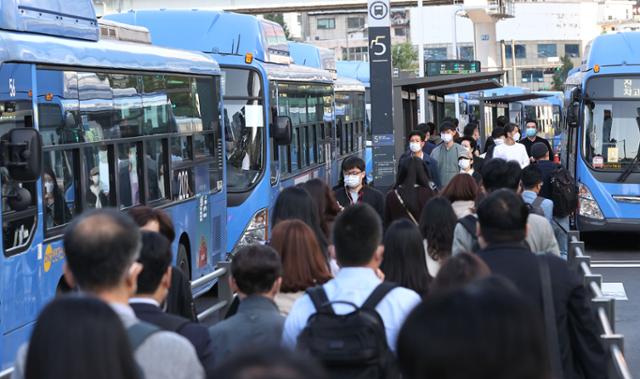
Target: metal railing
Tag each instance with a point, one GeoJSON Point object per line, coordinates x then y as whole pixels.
{"type": "Point", "coordinates": [225, 294]}
{"type": "Point", "coordinates": [605, 307]}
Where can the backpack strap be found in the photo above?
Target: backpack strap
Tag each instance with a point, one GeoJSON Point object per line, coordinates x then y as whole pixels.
{"type": "Point", "coordinates": [319, 299]}
{"type": "Point", "coordinates": [139, 332]}
{"type": "Point", "coordinates": [537, 202]}
{"type": "Point", "coordinates": [468, 222]}
{"type": "Point", "coordinates": [405, 208]}
{"type": "Point", "coordinates": [378, 294]}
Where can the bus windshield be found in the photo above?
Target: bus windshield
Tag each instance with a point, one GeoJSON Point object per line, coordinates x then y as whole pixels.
{"type": "Point", "coordinates": [245, 128]}
{"type": "Point", "coordinates": [611, 133]}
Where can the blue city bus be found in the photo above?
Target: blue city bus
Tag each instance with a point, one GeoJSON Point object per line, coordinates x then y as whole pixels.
{"type": "Point", "coordinates": [601, 135]}
{"type": "Point", "coordinates": [120, 124]}
{"type": "Point", "coordinates": [350, 107]}
{"type": "Point", "coordinates": [279, 116]}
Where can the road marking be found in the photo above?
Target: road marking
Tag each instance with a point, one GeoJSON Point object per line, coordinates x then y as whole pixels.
{"type": "Point", "coordinates": [614, 291]}
{"type": "Point", "coordinates": [615, 265]}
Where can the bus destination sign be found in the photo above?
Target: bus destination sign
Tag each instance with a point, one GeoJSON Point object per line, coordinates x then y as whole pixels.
{"type": "Point", "coordinates": [628, 88]}
{"type": "Point", "coordinates": [451, 67]}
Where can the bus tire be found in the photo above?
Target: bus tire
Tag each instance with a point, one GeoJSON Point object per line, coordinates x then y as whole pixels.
{"type": "Point", "coordinates": [182, 261]}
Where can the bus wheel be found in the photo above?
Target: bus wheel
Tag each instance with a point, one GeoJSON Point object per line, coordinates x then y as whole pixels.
{"type": "Point", "coordinates": [183, 261]}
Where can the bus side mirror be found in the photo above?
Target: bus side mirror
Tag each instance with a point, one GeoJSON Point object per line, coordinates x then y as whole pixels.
{"type": "Point", "coordinates": [22, 154]}
{"type": "Point", "coordinates": [282, 131]}
{"type": "Point", "coordinates": [572, 114]}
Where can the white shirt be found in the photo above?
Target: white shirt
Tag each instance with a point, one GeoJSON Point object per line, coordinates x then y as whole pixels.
{"type": "Point", "coordinates": [516, 152]}
{"type": "Point", "coordinates": [353, 284]}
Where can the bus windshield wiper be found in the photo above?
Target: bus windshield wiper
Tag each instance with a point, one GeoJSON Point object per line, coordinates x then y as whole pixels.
{"type": "Point", "coordinates": [623, 177]}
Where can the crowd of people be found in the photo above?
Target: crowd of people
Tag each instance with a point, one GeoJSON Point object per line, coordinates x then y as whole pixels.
{"type": "Point", "coordinates": [456, 272]}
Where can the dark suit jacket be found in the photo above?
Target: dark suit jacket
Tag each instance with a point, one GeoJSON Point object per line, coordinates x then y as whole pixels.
{"type": "Point", "coordinates": [195, 333]}
{"type": "Point", "coordinates": [582, 353]}
{"type": "Point", "coordinates": [367, 195]}
{"type": "Point", "coordinates": [546, 167]}
{"type": "Point", "coordinates": [258, 322]}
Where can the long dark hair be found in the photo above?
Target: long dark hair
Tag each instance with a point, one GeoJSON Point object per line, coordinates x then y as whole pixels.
{"type": "Point", "coordinates": [326, 202]}
{"type": "Point", "coordinates": [296, 203]}
{"type": "Point", "coordinates": [437, 222]}
{"type": "Point", "coordinates": [404, 261]}
{"type": "Point", "coordinates": [411, 176]}
{"type": "Point", "coordinates": [77, 338]}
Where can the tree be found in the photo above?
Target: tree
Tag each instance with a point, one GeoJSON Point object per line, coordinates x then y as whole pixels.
{"type": "Point", "coordinates": [561, 73]}
{"type": "Point", "coordinates": [404, 56]}
{"type": "Point", "coordinates": [279, 19]}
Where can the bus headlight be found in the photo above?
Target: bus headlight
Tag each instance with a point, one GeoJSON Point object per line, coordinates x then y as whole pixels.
{"type": "Point", "coordinates": [256, 231]}
{"type": "Point", "coordinates": [588, 205]}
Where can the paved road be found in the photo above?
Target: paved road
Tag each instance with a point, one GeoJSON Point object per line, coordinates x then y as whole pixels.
{"type": "Point", "coordinates": [617, 258]}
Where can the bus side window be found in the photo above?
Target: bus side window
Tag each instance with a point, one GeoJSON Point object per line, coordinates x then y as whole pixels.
{"type": "Point", "coordinates": [129, 176]}
{"type": "Point", "coordinates": [98, 193]}
{"type": "Point", "coordinates": [60, 186]}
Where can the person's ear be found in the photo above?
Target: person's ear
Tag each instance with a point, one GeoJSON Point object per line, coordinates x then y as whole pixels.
{"type": "Point", "coordinates": [166, 278]}
{"type": "Point", "coordinates": [68, 276]}
{"type": "Point", "coordinates": [132, 277]}
{"type": "Point", "coordinates": [233, 284]}
{"type": "Point", "coordinates": [481, 241]}
{"type": "Point", "coordinates": [378, 256]}
{"type": "Point", "coordinates": [275, 289]}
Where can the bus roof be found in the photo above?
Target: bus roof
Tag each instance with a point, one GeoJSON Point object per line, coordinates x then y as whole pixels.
{"type": "Point", "coordinates": [214, 32]}
{"type": "Point", "coordinates": [107, 54]}
{"type": "Point", "coordinates": [344, 84]}
{"type": "Point", "coordinates": [615, 50]}
{"type": "Point", "coordinates": [296, 73]}
{"type": "Point", "coordinates": [305, 54]}
{"type": "Point", "coordinates": [61, 18]}
{"type": "Point", "coordinates": [358, 70]}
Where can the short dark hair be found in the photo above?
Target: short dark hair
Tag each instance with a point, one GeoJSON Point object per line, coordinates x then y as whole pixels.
{"type": "Point", "coordinates": [452, 120]}
{"type": "Point", "coordinates": [424, 128]}
{"type": "Point", "coordinates": [483, 323]}
{"type": "Point", "coordinates": [100, 246]}
{"type": "Point", "coordinates": [498, 173]}
{"type": "Point", "coordinates": [462, 187]}
{"type": "Point", "coordinates": [531, 176]}
{"type": "Point", "coordinates": [353, 162]}
{"type": "Point", "coordinates": [357, 233]}
{"type": "Point", "coordinates": [269, 362]}
{"type": "Point", "coordinates": [510, 127]}
{"type": "Point", "coordinates": [95, 346]}
{"type": "Point", "coordinates": [458, 271]}
{"type": "Point", "coordinates": [469, 129]}
{"type": "Point", "coordinates": [472, 142]}
{"type": "Point", "coordinates": [446, 125]}
{"type": "Point", "coordinates": [503, 217]}
{"type": "Point", "coordinates": [255, 268]}
{"type": "Point", "coordinates": [498, 132]}
{"type": "Point", "coordinates": [529, 120]}
{"type": "Point", "coordinates": [142, 215]}
{"type": "Point", "coordinates": [431, 127]}
{"type": "Point", "coordinates": [501, 121]}
{"type": "Point", "coordinates": [155, 257]}
{"type": "Point", "coordinates": [416, 133]}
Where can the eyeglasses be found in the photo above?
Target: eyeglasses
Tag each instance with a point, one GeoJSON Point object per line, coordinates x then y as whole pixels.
{"type": "Point", "coordinates": [353, 172]}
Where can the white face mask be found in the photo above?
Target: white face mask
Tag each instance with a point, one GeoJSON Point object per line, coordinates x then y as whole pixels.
{"type": "Point", "coordinates": [352, 181]}
{"type": "Point", "coordinates": [498, 141]}
{"type": "Point", "coordinates": [446, 137]}
{"type": "Point", "coordinates": [516, 137]}
{"type": "Point", "coordinates": [415, 146]}
{"type": "Point", "coordinates": [48, 186]}
{"type": "Point", "coordinates": [464, 164]}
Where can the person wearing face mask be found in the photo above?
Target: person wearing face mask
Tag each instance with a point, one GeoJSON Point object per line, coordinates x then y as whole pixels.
{"type": "Point", "coordinates": [466, 167]}
{"type": "Point", "coordinates": [352, 187]}
{"type": "Point", "coordinates": [531, 131]}
{"type": "Point", "coordinates": [497, 138]}
{"type": "Point", "coordinates": [470, 145]}
{"type": "Point", "coordinates": [510, 150]}
{"type": "Point", "coordinates": [447, 154]}
{"type": "Point", "coordinates": [416, 149]}
{"type": "Point", "coordinates": [96, 197]}
{"type": "Point", "coordinates": [56, 211]}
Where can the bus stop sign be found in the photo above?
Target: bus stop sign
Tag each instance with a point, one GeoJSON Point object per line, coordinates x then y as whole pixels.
{"type": "Point", "coordinates": [381, 93]}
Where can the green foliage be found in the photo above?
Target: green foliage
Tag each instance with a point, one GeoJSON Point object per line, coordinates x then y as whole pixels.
{"type": "Point", "coordinates": [278, 18]}
{"type": "Point", "coordinates": [561, 73]}
{"type": "Point", "coordinates": [404, 56]}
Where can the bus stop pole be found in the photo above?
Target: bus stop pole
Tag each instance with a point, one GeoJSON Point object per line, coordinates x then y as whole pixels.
{"type": "Point", "coordinates": [421, 93]}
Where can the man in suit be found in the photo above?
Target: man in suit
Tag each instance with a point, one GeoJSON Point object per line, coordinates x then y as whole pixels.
{"type": "Point", "coordinates": [256, 274]}
{"type": "Point", "coordinates": [153, 286]}
{"type": "Point", "coordinates": [502, 229]}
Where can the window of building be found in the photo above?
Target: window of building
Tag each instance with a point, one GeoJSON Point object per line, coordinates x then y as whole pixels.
{"type": "Point", "coordinates": [400, 32]}
{"type": "Point", "coordinates": [572, 50]}
{"type": "Point", "coordinates": [360, 53]}
{"type": "Point", "coordinates": [521, 51]}
{"type": "Point", "coordinates": [466, 52]}
{"type": "Point", "coordinates": [355, 22]}
{"type": "Point", "coordinates": [532, 76]}
{"type": "Point", "coordinates": [326, 23]}
{"type": "Point", "coordinates": [434, 53]}
{"type": "Point", "coordinates": [547, 50]}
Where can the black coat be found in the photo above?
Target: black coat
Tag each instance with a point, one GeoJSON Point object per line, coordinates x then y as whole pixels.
{"type": "Point", "coordinates": [582, 352]}
{"type": "Point", "coordinates": [367, 195]}
{"type": "Point", "coordinates": [546, 167]}
{"type": "Point", "coordinates": [528, 143]}
{"type": "Point", "coordinates": [197, 334]}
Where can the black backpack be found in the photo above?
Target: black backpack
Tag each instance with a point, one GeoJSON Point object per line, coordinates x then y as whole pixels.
{"type": "Point", "coordinates": [468, 222]}
{"type": "Point", "coordinates": [536, 206]}
{"type": "Point", "coordinates": [564, 192]}
{"type": "Point", "coordinates": [353, 345]}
